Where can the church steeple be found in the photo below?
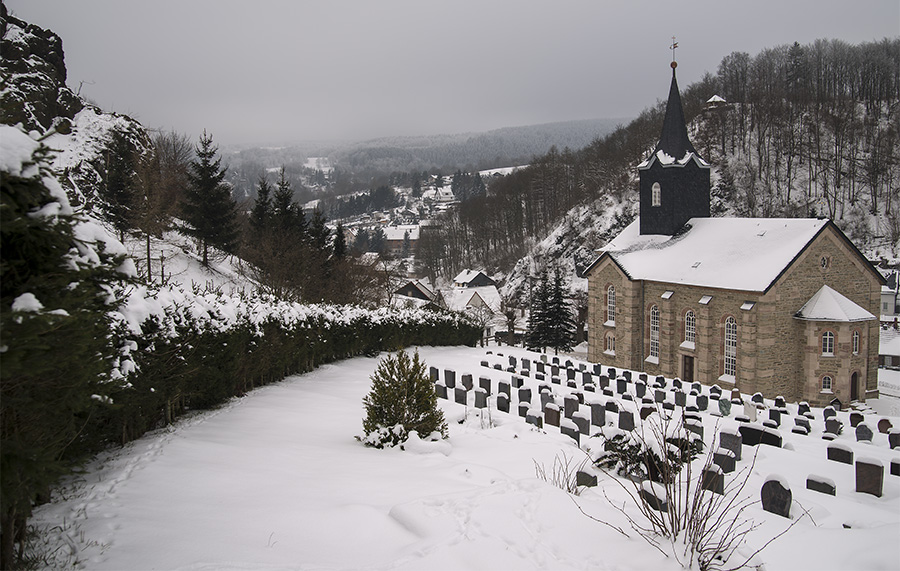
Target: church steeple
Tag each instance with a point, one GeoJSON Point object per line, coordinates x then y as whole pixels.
{"type": "Point", "coordinates": [674, 184]}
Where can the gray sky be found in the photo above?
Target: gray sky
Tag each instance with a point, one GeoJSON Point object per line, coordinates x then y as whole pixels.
{"type": "Point", "coordinates": [271, 71]}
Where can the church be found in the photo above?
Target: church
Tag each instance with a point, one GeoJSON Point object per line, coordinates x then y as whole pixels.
{"type": "Point", "coordinates": [778, 306]}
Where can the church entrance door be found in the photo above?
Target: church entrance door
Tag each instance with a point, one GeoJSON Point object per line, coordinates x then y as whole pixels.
{"type": "Point", "coordinates": [854, 386]}
{"type": "Point", "coordinates": [688, 372]}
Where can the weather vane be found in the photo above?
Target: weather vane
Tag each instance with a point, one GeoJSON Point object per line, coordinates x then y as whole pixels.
{"type": "Point", "coordinates": [672, 47]}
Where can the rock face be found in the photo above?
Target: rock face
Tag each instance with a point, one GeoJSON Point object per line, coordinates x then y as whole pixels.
{"type": "Point", "coordinates": [33, 60]}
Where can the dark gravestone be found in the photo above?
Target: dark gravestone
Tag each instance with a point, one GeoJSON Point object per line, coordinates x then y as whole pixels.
{"type": "Point", "coordinates": [855, 418]}
{"type": "Point", "coordinates": [828, 436]}
{"type": "Point", "coordinates": [440, 389]}
{"type": "Point", "coordinates": [539, 366]}
{"type": "Point", "coordinates": [480, 398]}
{"type": "Point", "coordinates": [713, 479]}
{"type": "Point", "coordinates": [628, 396]}
{"type": "Point", "coordinates": [757, 398]}
{"type": "Point", "coordinates": [512, 361]}
{"type": "Point", "coordinates": [695, 427]}
{"type": "Point", "coordinates": [751, 435]}
{"type": "Point", "coordinates": [828, 412]}
{"type": "Point", "coordinates": [525, 395]}
{"type": "Point", "coordinates": [503, 402]}
{"type": "Point", "coordinates": [598, 369]}
{"type": "Point", "coordinates": [821, 485]}
{"type": "Point", "coordinates": [433, 373]}
{"type": "Point", "coordinates": [731, 440]}
{"type": "Point", "coordinates": [570, 404]}
{"type": "Point", "coordinates": [894, 438]}
{"type": "Point", "coordinates": [869, 476]}
{"type": "Point", "coordinates": [598, 414]}
{"type": "Point", "coordinates": [590, 388]}
{"type": "Point", "coordinates": [556, 360]}
{"type": "Point", "coordinates": [802, 421]}
{"type": "Point", "coordinates": [526, 364]}
{"type": "Point", "coordinates": [582, 422]}
{"type": "Point", "coordinates": [626, 420]}
{"type": "Point", "coordinates": [546, 398]}
{"type": "Point", "coordinates": [461, 395]}
{"type": "Point", "coordinates": [570, 429]}
{"type": "Point", "coordinates": [551, 414]}
{"type": "Point", "coordinates": [604, 382]}
{"type": "Point", "coordinates": [839, 452]}
{"type": "Point", "coordinates": [572, 385]}
{"type": "Point", "coordinates": [661, 381]}
{"type": "Point", "coordinates": [833, 425]}
{"type": "Point", "coordinates": [775, 416]}
{"type": "Point", "coordinates": [647, 411]}
{"type": "Point", "coordinates": [450, 378]}
{"type": "Point", "coordinates": [884, 426]}
{"type": "Point", "coordinates": [582, 367]}
{"type": "Point", "coordinates": [611, 406]}
{"type": "Point", "coordinates": [771, 437]}
{"type": "Point", "coordinates": [534, 419]}
{"type": "Point", "coordinates": [611, 372]}
{"type": "Point", "coordinates": [697, 387]}
{"type": "Point", "coordinates": [680, 398]}
{"type": "Point", "coordinates": [627, 375]}
{"type": "Point", "coordinates": [621, 385]}
{"type": "Point", "coordinates": [504, 388]}
{"type": "Point", "coordinates": [511, 370]}
{"type": "Point", "coordinates": [467, 382]}
{"type": "Point", "coordinates": [643, 377]}
{"type": "Point", "coordinates": [724, 459]}
{"type": "Point", "coordinates": [779, 402]}
{"type": "Point", "coordinates": [803, 408]}
{"type": "Point", "coordinates": [539, 376]}
{"type": "Point", "coordinates": [524, 407]}
{"type": "Point", "coordinates": [769, 424]}
{"type": "Point", "coordinates": [485, 364]}
{"type": "Point", "coordinates": [692, 408]}
{"type": "Point", "coordinates": [702, 402]}
{"type": "Point", "coordinates": [498, 366]}
{"type": "Point", "coordinates": [801, 430]}
{"type": "Point", "coordinates": [659, 395]}
{"type": "Point", "coordinates": [736, 396]}
{"type": "Point", "coordinates": [668, 405]}
{"type": "Point", "coordinates": [554, 370]}
{"type": "Point", "coordinates": [556, 380]}
{"type": "Point", "coordinates": [654, 496]}
{"type": "Point", "coordinates": [895, 467]}
{"type": "Point", "coordinates": [579, 395]}
{"type": "Point", "coordinates": [744, 418]}
{"type": "Point", "coordinates": [640, 389]}
{"type": "Point", "coordinates": [485, 384]}
{"type": "Point", "coordinates": [570, 374]}
{"type": "Point", "coordinates": [864, 432]}
{"type": "Point", "coordinates": [587, 378]}
{"type": "Point", "coordinates": [585, 479]}
{"type": "Point", "coordinates": [724, 407]}
{"type": "Point", "coordinates": [517, 381]}
{"type": "Point", "coordinates": [776, 497]}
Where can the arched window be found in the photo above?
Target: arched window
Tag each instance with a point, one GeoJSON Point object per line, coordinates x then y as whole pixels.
{"type": "Point", "coordinates": [828, 344]}
{"type": "Point", "coordinates": [611, 305]}
{"type": "Point", "coordinates": [690, 327]}
{"type": "Point", "coordinates": [654, 331]}
{"type": "Point", "coordinates": [655, 195]}
{"type": "Point", "coordinates": [826, 383]}
{"type": "Point", "coordinates": [856, 342]}
{"type": "Point", "coordinates": [730, 347]}
{"type": "Point", "coordinates": [611, 344]}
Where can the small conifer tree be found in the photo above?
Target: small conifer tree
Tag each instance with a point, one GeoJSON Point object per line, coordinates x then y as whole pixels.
{"type": "Point", "coordinates": [402, 399]}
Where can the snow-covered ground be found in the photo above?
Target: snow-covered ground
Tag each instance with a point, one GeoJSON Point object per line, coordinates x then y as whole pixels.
{"type": "Point", "coordinates": [276, 480]}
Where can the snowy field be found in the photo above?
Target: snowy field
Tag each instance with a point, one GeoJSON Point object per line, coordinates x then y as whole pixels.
{"type": "Point", "coordinates": [276, 480]}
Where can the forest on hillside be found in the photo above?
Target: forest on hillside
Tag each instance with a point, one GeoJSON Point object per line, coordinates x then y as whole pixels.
{"type": "Point", "coordinates": [804, 131]}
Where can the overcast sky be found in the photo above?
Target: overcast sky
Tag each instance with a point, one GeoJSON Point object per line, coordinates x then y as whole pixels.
{"type": "Point", "coordinates": [272, 71]}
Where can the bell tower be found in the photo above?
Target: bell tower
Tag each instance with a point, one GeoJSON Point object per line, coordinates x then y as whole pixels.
{"type": "Point", "coordinates": [674, 180]}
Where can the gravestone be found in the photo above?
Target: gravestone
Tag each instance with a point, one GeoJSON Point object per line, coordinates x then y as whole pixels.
{"type": "Point", "coordinates": [586, 479]}
{"type": "Point", "coordinates": [608, 392]}
{"type": "Point", "coordinates": [801, 430]}
{"type": "Point", "coordinates": [485, 384]}
{"type": "Point", "coordinates": [570, 429]}
{"type": "Point", "coordinates": [833, 425]}
{"type": "Point", "coordinates": [836, 403]}
{"type": "Point", "coordinates": [485, 364]}
{"type": "Point", "coordinates": [779, 402]}
{"type": "Point", "coordinates": [628, 396]}
{"type": "Point", "coordinates": [702, 402]}
{"type": "Point", "coordinates": [697, 387]}
{"type": "Point", "coordinates": [440, 389]}
{"type": "Point", "coordinates": [570, 404]}
{"type": "Point", "coordinates": [524, 407]}
{"type": "Point", "coordinates": [467, 382]}
{"type": "Point", "coordinates": [598, 369]}
{"type": "Point", "coordinates": [647, 411]}
{"type": "Point", "coordinates": [598, 414]}
{"type": "Point", "coordinates": [556, 360]}
{"type": "Point", "coordinates": [756, 398]}
{"type": "Point", "coordinates": [534, 419]}
{"type": "Point", "coordinates": [579, 395]}
{"type": "Point", "coordinates": [450, 378]}
{"type": "Point", "coordinates": [640, 389]}
{"type": "Point", "coordinates": [828, 412]}
{"type": "Point", "coordinates": [627, 375]}
{"type": "Point", "coordinates": [539, 376]}
{"type": "Point", "coordinates": [546, 399]}
{"type": "Point", "coordinates": [582, 367]}
{"type": "Point", "coordinates": [869, 476]}
{"type": "Point", "coordinates": [736, 396]}
{"type": "Point", "coordinates": [572, 385]}
{"type": "Point", "coordinates": [433, 373]}
{"type": "Point", "coordinates": [611, 406]}
{"type": "Point", "coordinates": [676, 384]}
{"type": "Point", "coordinates": [654, 496]}
{"type": "Point", "coordinates": [642, 377]}
{"type": "Point", "coordinates": [884, 426]}
{"type": "Point", "coordinates": [659, 395]}
{"type": "Point", "coordinates": [776, 497]}
{"type": "Point", "coordinates": [512, 361]}
{"type": "Point", "coordinates": [498, 366]}
{"type": "Point", "coordinates": [668, 405]}
{"type": "Point", "coordinates": [660, 381]}
{"type": "Point", "coordinates": [526, 363]}
{"type": "Point", "coordinates": [692, 408]}
{"type": "Point", "coordinates": [895, 467]}
{"type": "Point", "coordinates": [713, 479]}
{"type": "Point", "coordinates": [590, 388]}
{"type": "Point", "coordinates": [771, 437]}
{"type": "Point", "coordinates": [551, 414]}
{"type": "Point", "coordinates": [570, 374]}
{"type": "Point", "coordinates": [604, 382]}
{"type": "Point", "coordinates": [621, 385]}
{"type": "Point", "coordinates": [525, 394]}
{"type": "Point", "coordinates": [750, 434]}
{"type": "Point", "coordinates": [517, 381]}
{"type": "Point", "coordinates": [626, 420]}
{"type": "Point", "coordinates": [821, 484]}
{"type": "Point", "coordinates": [840, 452]}
{"type": "Point", "coordinates": [855, 418]}
{"type": "Point", "coordinates": [461, 395]}
{"type": "Point", "coordinates": [680, 398]}
{"type": "Point", "coordinates": [802, 421]}
{"type": "Point", "coordinates": [539, 366]}
{"type": "Point", "coordinates": [724, 459]}
{"type": "Point", "coordinates": [715, 390]}
{"type": "Point", "coordinates": [894, 438]}
{"type": "Point", "coordinates": [695, 427]}
{"type": "Point", "coordinates": [724, 407]}
{"type": "Point", "coordinates": [554, 370]}
{"type": "Point", "coordinates": [775, 415]}
{"type": "Point", "coordinates": [543, 358]}
{"type": "Point", "coordinates": [769, 423]}
{"type": "Point", "coordinates": [556, 380]}
{"type": "Point", "coordinates": [803, 408]}
{"type": "Point", "coordinates": [504, 388]}
{"type": "Point", "coordinates": [503, 402]}
{"type": "Point", "coordinates": [731, 440]}
{"type": "Point", "coordinates": [480, 398]}
{"type": "Point", "coordinates": [582, 421]}
{"type": "Point", "coordinates": [864, 432]}
{"type": "Point", "coordinates": [750, 411]}
{"type": "Point", "coordinates": [587, 378]}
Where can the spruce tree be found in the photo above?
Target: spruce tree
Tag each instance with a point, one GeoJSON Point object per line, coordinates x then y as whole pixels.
{"type": "Point", "coordinates": [210, 212]}
{"type": "Point", "coordinates": [402, 399]}
{"type": "Point", "coordinates": [538, 316]}
{"type": "Point", "coordinates": [560, 324]}
{"type": "Point", "coordinates": [339, 245]}
{"type": "Point", "coordinates": [261, 213]}
{"type": "Point", "coordinates": [119, 191]}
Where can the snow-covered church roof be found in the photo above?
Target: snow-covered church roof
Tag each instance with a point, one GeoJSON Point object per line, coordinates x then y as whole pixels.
{"type": "Point", "coordinates": [829, 305]}
{"type": "Point", "coordinates": [728, 253]}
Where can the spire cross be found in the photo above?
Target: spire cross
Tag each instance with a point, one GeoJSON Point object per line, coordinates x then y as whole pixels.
{"type": "Point", "coordinates": [672, 47]}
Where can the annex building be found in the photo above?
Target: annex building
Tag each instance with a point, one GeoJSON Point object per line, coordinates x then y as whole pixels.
{"type": "Point", "coordinates": [778, 306]}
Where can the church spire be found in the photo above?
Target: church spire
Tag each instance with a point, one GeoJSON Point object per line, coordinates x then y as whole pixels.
{"type": "Point", "coordinates": [674, 139]}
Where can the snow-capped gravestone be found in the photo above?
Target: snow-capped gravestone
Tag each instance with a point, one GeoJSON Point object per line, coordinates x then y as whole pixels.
{"type": "Point", "coordinates": [713, 479]}
{"type": "Point", "coordinates": [654, 495]}
{"type": "Point", "coordinates": [840, 452]}
{"type": "Point", "coordinates": [855, 418]}
{"type": "Point", "coordinates": [524, 394]}
{"type": "Point", "coordinates": [756, 398]}
{"type": "Point", "coordinates": [802, 421]}
{"type": "Point", "coordinates": [724, 407]}
{"type": "Point", "coordinates": [680, 398]}
{"type": "Point", "coordinates": [659, 395]}
{"type": "Point", "coordinates": [750, 411]}
{"type": "Point", "coordinates": [524, 409]}
{"type": "Point", "coordinates": [503, 402]}
{"type": "Point", "coordinates": [433, 373]}
{"type": "Point", "coordinates": [504, 388]}
{"type": "Point", "coordinates": [480, 398]}
{"type": "Point", "coordinates": [440, 389]}
{"type": "Point", "coordinates": [894, 438]}
{"type": "Point", "coordinates": [775, 416]}
{"type": "Point", "coordinates": [869, 476]}
{"type": "Point", "coordinates": [582, 421]}
{"type": "Point", "coordinates": [534, 419]}
{"type": "Point", "coordinates": [884, 426]}
{"type": "Point", "coordinates": [702, 402]}
{"type": "Point", "coordinates": [776, 496]}
{"type": "Point", "coordinates": [570, 404]}
{"type": "Point", "coordinates": [771, 437]}
{"type": "Point", "coordinates": [751, 435]}
{"type": "Point", "coordinates": [821, 484]}
{"type": "Point", "coordinates": [461, 395]}
{"type": "Point", "coordinates": [626, 420]}
{"type": "Point", "coordinates": [828, 412]}
{"type": "Point", "coordinates": [485, 384]}
{"type": "Point", "coordinates": [586, 479]}
{"type": "Point", "coordinates": [570, 429]}
{"type": "Point", "coordinates": [895, 467]}
{"type": "Point", "coordinates": [450, 378]}
{"type": "Point", "coordinates": [802, 408]}
{"type": "Point", "coordinates": [724, 459]}
{"type": "Point", "coordinates": [864, 432]}
{"type": "Point", "coordinates": [467, 382]}
{"type": "Point", "coordinates": [551, 414]}
{"type": "Point", "coordinates": [833, 426]}
{"type": "Point", "coordinates": [598, 414]}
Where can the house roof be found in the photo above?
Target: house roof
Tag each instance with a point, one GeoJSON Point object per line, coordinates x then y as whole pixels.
{"type": "Point", "coordinates": [829, 305]}
{"type": "Point", "coordinates": [458, 299]}
{"type": "Point", "coordinates": [466, 276]}
{"type": "Point", "coordinates": [729, 253]}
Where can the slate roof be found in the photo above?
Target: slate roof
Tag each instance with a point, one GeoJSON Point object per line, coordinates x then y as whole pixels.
{"type": "Point", "coordinates": [674, 147]}
{"type": "Point", "coordinates": [829, 305]}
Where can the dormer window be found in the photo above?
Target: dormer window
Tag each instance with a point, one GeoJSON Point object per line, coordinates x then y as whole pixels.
{"type": "Point", "coordinates": [655, 195]}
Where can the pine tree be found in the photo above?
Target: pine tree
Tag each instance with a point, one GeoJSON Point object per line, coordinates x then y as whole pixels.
{"type": "Point", "coordinates": [538, 334]}
{"type": "Point", "coordinates": [55, 334]}
{"type": "Point", "coordinates": [119, 190]}
{"type": "Point", "coordinates": [339, 245]}
{"type": "Point", "coordinates": [210, 213]}
{"type": "Point", "coordinates": [560, 324]}
{"type": "Point", "coordinates": [261, 213]}
{"type": "Point", "coordinates": [402, 400]}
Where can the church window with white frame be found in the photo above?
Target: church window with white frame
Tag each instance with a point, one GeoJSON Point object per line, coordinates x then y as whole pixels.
{"type": "Point", "coordinates": [730, 347]}
{"type": "Point", "coordinates": [654, 332]}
